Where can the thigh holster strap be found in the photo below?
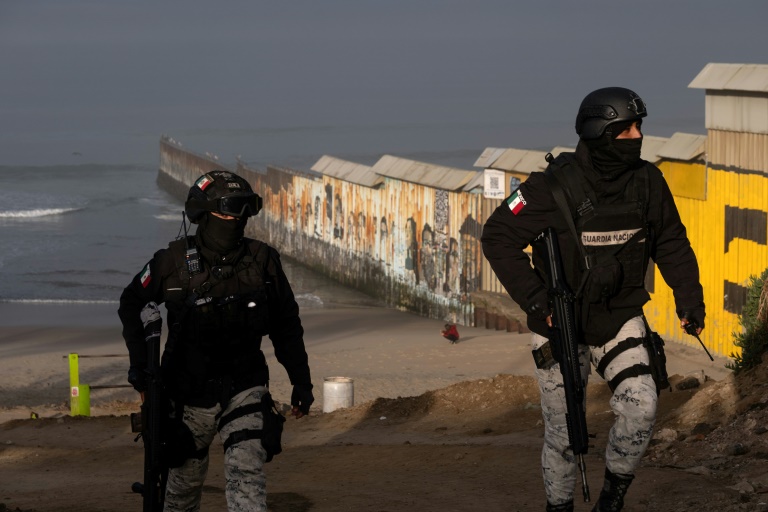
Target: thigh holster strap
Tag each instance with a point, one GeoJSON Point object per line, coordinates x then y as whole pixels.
{"type": "Point", "coordinates": [240, 436]}
{"type": "Point", "coordinates": [632, 371]}
{"type": "Point", "coordinates": [615, 351]}
{"type": "Point", "coordinates": [238, 413]}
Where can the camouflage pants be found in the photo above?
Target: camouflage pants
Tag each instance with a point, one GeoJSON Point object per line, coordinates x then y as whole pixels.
{"type": "Point", "coordinates": [633, 402]}
{"type": "Point", "coordinates": [243, 461]}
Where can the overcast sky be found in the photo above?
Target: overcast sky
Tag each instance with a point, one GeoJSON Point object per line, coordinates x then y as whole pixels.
{"type": "Point", "coordinates": [102, 80]}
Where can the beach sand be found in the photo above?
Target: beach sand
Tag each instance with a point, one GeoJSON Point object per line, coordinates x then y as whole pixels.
{"type": "Point", "coordinates": [435, 426]}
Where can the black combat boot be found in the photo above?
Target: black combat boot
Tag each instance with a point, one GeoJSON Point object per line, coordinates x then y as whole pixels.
{"type": "Point", "coordinates": [612, 495]}
{"type": "Point", "coordinates": [563, 507]}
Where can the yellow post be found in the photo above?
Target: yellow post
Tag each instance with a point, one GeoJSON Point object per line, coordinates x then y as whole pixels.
{"type": "Point", "coordinates": [79, 394]}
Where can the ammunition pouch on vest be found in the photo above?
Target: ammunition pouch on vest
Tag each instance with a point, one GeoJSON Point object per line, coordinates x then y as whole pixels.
{"type": "Point", "coordinates": [603, 279]}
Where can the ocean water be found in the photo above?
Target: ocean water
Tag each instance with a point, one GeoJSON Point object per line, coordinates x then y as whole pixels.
{"type": "Point", "coordinates": [76, 235]}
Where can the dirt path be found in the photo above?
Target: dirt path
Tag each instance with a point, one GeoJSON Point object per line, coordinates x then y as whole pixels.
{"type": "Point", "coordinates": [472, 446]}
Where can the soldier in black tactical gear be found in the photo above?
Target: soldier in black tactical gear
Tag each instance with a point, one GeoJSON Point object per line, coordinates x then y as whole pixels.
{"type": "Point", "coordinates": [612, 212]}
{"type": "Point", "coordinates": [222, 292]}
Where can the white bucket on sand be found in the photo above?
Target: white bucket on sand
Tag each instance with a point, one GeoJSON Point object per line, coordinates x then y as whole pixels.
{"type": "Point", "coordinates": [338, 393]}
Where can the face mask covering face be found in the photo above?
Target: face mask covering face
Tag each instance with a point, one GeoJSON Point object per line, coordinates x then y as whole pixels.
{"type": "Point", "coordinates": [221, 235]}
{"type": "Point", "coordinates": [628, 150]}
{"type": "Point", "coordinates": [614, 156]}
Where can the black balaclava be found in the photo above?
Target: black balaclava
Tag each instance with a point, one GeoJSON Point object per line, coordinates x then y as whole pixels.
{"type": "Point", "coordinates": [611, 156]}
{"type": "Point", "coordinates": [221, 235]}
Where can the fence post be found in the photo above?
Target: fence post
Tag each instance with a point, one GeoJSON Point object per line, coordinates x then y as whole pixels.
{"type": "Point", "coordinates": [79, 394]}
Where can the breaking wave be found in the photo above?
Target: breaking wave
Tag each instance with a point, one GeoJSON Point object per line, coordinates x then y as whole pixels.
{"type": "Point", "coordinates": [57, 301]}
{"type": "Point", "coordinates": [36, 213]}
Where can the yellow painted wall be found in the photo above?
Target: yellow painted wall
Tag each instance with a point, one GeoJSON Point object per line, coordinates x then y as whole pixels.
{"type": "Point", "coordinates": [705, 218]}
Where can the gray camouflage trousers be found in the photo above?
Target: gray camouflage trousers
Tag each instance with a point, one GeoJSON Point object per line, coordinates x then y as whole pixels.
{"type": "Point", "coordinates": [633, 402]}
{"type": "Point", "coordinates": [243, 461]}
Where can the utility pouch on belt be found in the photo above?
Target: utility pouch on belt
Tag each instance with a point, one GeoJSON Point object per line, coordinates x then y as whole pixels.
{"type": "Point", "coordinates": [273, 427]}
{"type": "Point", "coordinates": [543, 357]}
{"type": "Point", "coordinates": [658, 360]}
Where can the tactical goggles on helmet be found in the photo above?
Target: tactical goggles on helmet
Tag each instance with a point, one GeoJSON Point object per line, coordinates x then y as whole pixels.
{"type": "Point", "coordinates": [234, 205]}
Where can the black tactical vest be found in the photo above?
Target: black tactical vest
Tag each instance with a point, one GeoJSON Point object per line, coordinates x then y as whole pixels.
{"type": "Point", "coordinates": [612, 238]}
{"type": "Point", "coordinates": [222, 314]}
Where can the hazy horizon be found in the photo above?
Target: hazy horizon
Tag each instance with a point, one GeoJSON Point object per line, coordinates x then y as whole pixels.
{"type": "Point", "coordinates": [93, 81]}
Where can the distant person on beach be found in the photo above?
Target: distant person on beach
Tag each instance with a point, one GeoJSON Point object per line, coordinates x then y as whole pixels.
{"type": "Point", "coordinates": [223, 292]}
{"type": "Point", "coordinates": [612, 211]}
{"type": "Point", "coordinates": [451, 333]}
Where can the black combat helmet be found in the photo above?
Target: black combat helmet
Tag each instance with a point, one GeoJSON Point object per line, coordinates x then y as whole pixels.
{"type": "Point", "coordinates": [604, 107]}
{"type": "Point", "coordinates": [221, 192]}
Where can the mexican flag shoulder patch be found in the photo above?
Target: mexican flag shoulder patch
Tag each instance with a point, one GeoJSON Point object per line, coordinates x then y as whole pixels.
{"type": "Point", "coordinates": [145, 277]}
{"type": "Point", "coordinates": [516, 202]}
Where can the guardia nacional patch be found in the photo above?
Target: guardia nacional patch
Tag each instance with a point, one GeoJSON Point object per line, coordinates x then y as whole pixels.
{"type": "Point", "coordinates": [145, 277]}
{"type": "Point", "coordinates": [516, 202]}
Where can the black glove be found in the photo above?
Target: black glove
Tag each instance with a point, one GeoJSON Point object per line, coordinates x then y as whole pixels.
{"type": "Point", "coordinates": [302, 397]}
{"type": "Point", "coordinates": [137, 378]}
{"type": "Point", "coordinates": [695, 319]}
{"type": "Point", "coordinates": [538, 307]}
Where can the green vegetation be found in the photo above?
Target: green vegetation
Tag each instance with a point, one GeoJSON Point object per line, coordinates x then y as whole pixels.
{"type": "Point", "coordinates": [753, 340]}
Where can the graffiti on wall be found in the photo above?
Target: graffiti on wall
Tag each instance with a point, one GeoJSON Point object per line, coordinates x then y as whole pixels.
{"type": "Point", "coordinates": [414, 246]}
{"type": "Point", "coordinates": [411, 232]}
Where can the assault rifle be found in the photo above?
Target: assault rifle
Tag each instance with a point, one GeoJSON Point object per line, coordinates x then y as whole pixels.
{"type": "Point", "coordinates": [564, 345]}
{"type": "Point", "coordinates": [149, 422]}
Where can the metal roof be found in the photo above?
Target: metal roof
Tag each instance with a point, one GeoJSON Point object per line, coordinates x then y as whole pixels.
{"type": "Point", "coordinates": [527, 161]}
{"type": "Point", "coordinates": [488, 156]}
{"type": "Point", "coordinates": [476, 182]}
{"type": "Point", "coordinates": [347, 171]}
{"type": "Point", "coordinates": [683, 146]}
{"type": "Point", "coordinates": [732, 77]}
{"type": "Point", "coordinates": [651, 147]}
{"type": "Point", "coordinates": [431, 175]}
{"type": "Point", "coordinates": [560, 149]}
{"type": "Point", "coordinates": [524, 161]}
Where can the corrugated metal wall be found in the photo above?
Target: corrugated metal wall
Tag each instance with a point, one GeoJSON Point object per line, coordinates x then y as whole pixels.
{"type": "Point", "coordinates": [728, 232]}
{"type": "Point", "coordinates": [416, 247]}
{"type": "Point", "coordinates": [491, 283]}
{"type": "Point", "coordinates": [728, 149]}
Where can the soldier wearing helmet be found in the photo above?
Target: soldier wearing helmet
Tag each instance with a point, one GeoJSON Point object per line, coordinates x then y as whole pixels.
{"type": "Point", "coordinates": [613, 213]}
{"type": "Point", "coordinates": [223, 292]}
